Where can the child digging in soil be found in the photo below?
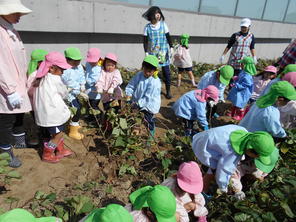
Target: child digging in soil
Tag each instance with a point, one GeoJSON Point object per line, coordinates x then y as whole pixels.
{"type": "Point", "coordinates": [182, 59]}
{"type": "Point", "coordinates": [144, 90]}
{"type": "Point", "coordinates": [220, 149]}
{"type": "Point", "coordinates": [187, 185]}
{"type": "Point", "coordinates": [192, 106]}
{"type": "Point", "coordinates": [50, 110]}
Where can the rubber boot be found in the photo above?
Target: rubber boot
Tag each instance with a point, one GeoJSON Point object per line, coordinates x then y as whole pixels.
{"type": "Point", "coordinates": [14, 161]}
{"type": "Point", "coordinates": [48, 154]}
{"type": "Point", "coordinates": [20, 140]}
{"type": "Point", "coordinates": [62, 151]}
{"type": "Point", "coordinates": [74, 133]}
{"type": "Point", "coordinates": [168, 92]}
{"type": "Point", "coordinates": [239, 114]}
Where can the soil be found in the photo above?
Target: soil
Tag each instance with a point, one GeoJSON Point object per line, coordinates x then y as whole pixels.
{"type": "Point", "coordinates": [88, 163]}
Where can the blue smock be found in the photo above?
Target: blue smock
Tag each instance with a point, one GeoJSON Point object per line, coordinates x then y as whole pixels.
{"type": "Point", "coordinates": [213, 149]}
{"type": "Point", "coordinates": [190, 108]}
{"type": "Point", "coordinates": [210, 78]}
{"type": "Point", "coordinates": [145, 92]}
{"type": "Point", "coordinates": [74, 78]}
{"type": "Point", "coordinates": [264, 119]}
{"type": "Point", "coordinates": [92, 74]}
{"type": "Point", "coordinates": [242, 90]}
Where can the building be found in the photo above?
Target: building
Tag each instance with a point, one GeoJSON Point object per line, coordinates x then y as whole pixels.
{"type": "Point", "coordinates": [117, 25]}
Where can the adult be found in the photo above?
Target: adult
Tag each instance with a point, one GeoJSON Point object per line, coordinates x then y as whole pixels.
{"type": "Point", "coordinates": [288, 57]}
{"type": "Point", "coordinates": [14, 100]}
{"type": "Point", "coordinates": [242, 44]}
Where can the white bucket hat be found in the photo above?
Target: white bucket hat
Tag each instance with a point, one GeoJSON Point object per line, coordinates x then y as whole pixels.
{"type": "Point", "coordinates": [12, 6]}
{"type": "Point", "coordinates": [246, 22]}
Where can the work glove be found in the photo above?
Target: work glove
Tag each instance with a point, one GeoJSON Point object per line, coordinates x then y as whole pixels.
{"type": "Point", "coordinates": [83, 95]}
{"type": "Point", "coordinates": [255, 60]}
{"type": "Point", "coordinates": [240, 195]}
{"type": "Point", "coordinates": [82, 88]}
{"type": "Point", "coordinates": [100, 91]}
{"type": "Point", "coordinates": [212, 103]}
{"type": "Point", "coordinates": [15, 100]}
{"type": "Point", "coordinates": [110, 91]}
{"type": "Point", "coordinates": [221, 60]}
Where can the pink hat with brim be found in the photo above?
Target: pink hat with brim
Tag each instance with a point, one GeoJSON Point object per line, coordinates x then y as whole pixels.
{"type": "Point", "coordinates": [210, 92]}
{"type": "Point", "coordinates": [270, 69]}
{"type": "Point", "coordinates": [111, 56]}
{"type": "Point", "coordinates": [52, 58]}
{"type": "Point", "coordinates": [290, 77]}
{"type": "Point", "coordinates": [93, 55]}
{"type": "Point", "coordinates": [189, 177]}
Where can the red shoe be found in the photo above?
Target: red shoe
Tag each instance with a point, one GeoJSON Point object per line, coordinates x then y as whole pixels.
{"type": "Point", "coordinates": [48, 155]}
{"type": "Point", "coordinates": [62, 151]}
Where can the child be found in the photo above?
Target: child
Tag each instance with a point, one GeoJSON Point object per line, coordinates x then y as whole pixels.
{"type": "Point", "coordinates": [192, 106]}
{"type": "Point", "coordinates": [144, 89]}
{"type": "Point", "coordinates": [156, 203]}
{"type": "Point", "coordinates": [157, 41]}
{"type": "Point", "coordinates": [182, 59]}
{"type": "Point", "coordinates": [49, 107]}
{"type": "Point", "coordinates": [109, 83]}
{"type": "Point", "coordinates": [93, 73]}
{"type": "Point", "coordinates": [74, 79]}
{"type": "Point", "coordinates": [221, 148]}
{"type": "Point", "coordinates": [264, 115]}
{"type": "Point", "coordinates": [261, 80]}
{"type": "Point", "coordinates": [242, 88]}
{"type": "Point", "coordinates": [113, 212]}
{"type": "Point", "coordinates": [252, 167]}
{"type": "Point", "coordinates": [187, 186]}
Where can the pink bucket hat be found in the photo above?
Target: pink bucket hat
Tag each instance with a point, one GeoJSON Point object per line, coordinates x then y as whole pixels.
{"type": "Point", "coordinates": [270, 69]}
{"type": "Point", "coordinates": [189, 177]}
{"type": "Point", "coordinates": [209, 92]}
{"type": "Point", "coordinates": [111, 56]}
{"type": "Point", "coordinates": [52, 58]}
{"type": "Point", "coordinates": [93, 55]}
{"type": "Point", "coordinates": [290, 77]}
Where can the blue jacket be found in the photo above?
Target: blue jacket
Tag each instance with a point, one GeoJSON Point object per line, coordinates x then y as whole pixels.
{"type": "Point", "coordinates": [74, 78]}
{"type": "Point", "coordinates": [190, 108]}
{"type": "Point", "coordinates": [263, 119]}
{"type": "Point", "coordinates": [93, 73]}
{"type": "Point", "coordinates": [145, 92]}
{"type": "Point", "coordinates": [210, 78]}
{"type": "Point", "coordinates": [213, 149]}
{"type": "Point", "coordinates": [242, 90]}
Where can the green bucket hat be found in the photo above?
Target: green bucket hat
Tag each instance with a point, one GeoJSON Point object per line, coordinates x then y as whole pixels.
{"type": "Point", "coordinates": [267, 168]}
{"type": "Point", "coordinates": [288, 68]}
{"type": "Point", "coordinates": [260, 141]}
{"type": "Point", "coordinates": [22, 215]}
{"type": "Point", "coordinates": [249, 65]}
{"type": "Point", "coordinates": [73, 53]}
{"type": "Point", "coordinates": [278, 89]}
{"type": "Point", "coordinates": [113, 212]}
{"type": "Point", "coordinates": [152, 60]}
{"type": "Point", "coordinates": [226, 73]}
{"type": "Point", "coordinates": [37, 55]}
{"type": "Point", "coordinates": [159, 199]}
{"type": "Point", "coordinates": [184, 40]}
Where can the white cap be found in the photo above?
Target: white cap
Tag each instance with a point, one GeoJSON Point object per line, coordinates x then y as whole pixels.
{"type": "Point", "coordinates": [13, 6]}
{"type": "Point", "coordinates": [246, 22]}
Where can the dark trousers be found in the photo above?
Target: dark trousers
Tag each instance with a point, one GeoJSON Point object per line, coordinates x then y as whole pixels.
{"type": "Point", "coordinates": [149, 119]}
{"type": "Point", "coordinates": [94, 103]}
{"type": "Point", "coordinates": [166, 73]}
{"type": "Point", "coordinates": [188, 124]}
{"type": "Point", "coordinates": [10, 124]}
{"type": "Point", "coordinates": [75, 103]}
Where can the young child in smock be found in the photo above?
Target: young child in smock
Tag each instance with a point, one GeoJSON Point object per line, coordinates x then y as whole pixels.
{"type": "Point", "coordinates": [221, 148]}
{"type": "Point", "coordinates": [144, 90]}
{"type": "Point", "coordinates": [92, 74]}
{"type": "Point", "coordinates": [192, 106]}
{"type": "Point", "coordinates": [50, 110]}
{"type": "Point", "coordinates": [182, 59]}
{"type": "Point", "coordinates": [108, 85]}
{"type": "Point", "coordinates": [74, 79]}
{"type": "Point", "coordinates": [187, 186]}
{"type": "Point", "coordinates": [252, 167]}
{"type": "Point", "coordinates": [242, 88]}
{"type": "Point", "coordinates": [264, 115]}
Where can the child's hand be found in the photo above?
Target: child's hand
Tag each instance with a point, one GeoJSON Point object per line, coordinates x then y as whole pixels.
{"type": "Point", "coordinates": [110, 91]}
{"type": "Point", "coordinates": [190, 206]}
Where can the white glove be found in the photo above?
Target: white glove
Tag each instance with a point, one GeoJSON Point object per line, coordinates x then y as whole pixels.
{"type": "Point", "coordinates": [15, 100]}
{"type": "Point", "coordinates": [110, 90]}
{"type": "Point", "coordinates": [146, 53]}
{"type": "Point", "coordinates": [82, 88]}
{"type": "Point", "coordinates": [100, 91]}
{"type": "Point", "coordinates": [255, 60]}
{"type": "Point", "coordinates": [221, 101]}
{"type": "Point", "coordinates": [221, 60]}
{"type": "Point", "coordinates": [83, 95]}
{"type": "Point", "coordinates": [240, 195]}
{"type": "Point", "coordinates": [212, 103]}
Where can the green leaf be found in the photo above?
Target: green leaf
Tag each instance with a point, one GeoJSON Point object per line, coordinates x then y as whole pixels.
{"type": "Point", "coordinates": [287, 209]}
{"type": "Point", "coordinates": [39, 195]}
{"type": "Point", "coordinates": [94, 111]}
{"type": "Point", "coordinates": [4, 163]}
{"type": "Point", "coordinates": [60, 212]}
{"type": "Point", "coordinates": [120, 142]}
{"type": "Point", "coordinates": [123, 123]}
{"type": "Point", "coordinates": [47, 213]}
{"type": "Point", "coordinates": [4, 156]}
{"type": "Point", "coordinates": [116, 131]}
{"type": "Point", "coordinates": [166, 163]}
{"type": "Point", "coordinates": [51, 197]}
{"type": "Point", "coordinates": [14, 174]}
{"type": "Point", "coordinates": [132, 170]}
{"type": "Point", "coordinates": [123, 169]}
{"type": "Point", "coordinates": [241, 217]}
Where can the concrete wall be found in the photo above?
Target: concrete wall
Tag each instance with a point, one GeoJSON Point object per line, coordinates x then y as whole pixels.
{"type": "Point", "coordinates": [118, 27]}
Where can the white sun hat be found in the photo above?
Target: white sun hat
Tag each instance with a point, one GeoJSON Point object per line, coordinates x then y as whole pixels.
{"type": "Point", "coordinates": [13, 6]}
{"type": "Point", "coordinates": [246, 22]}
